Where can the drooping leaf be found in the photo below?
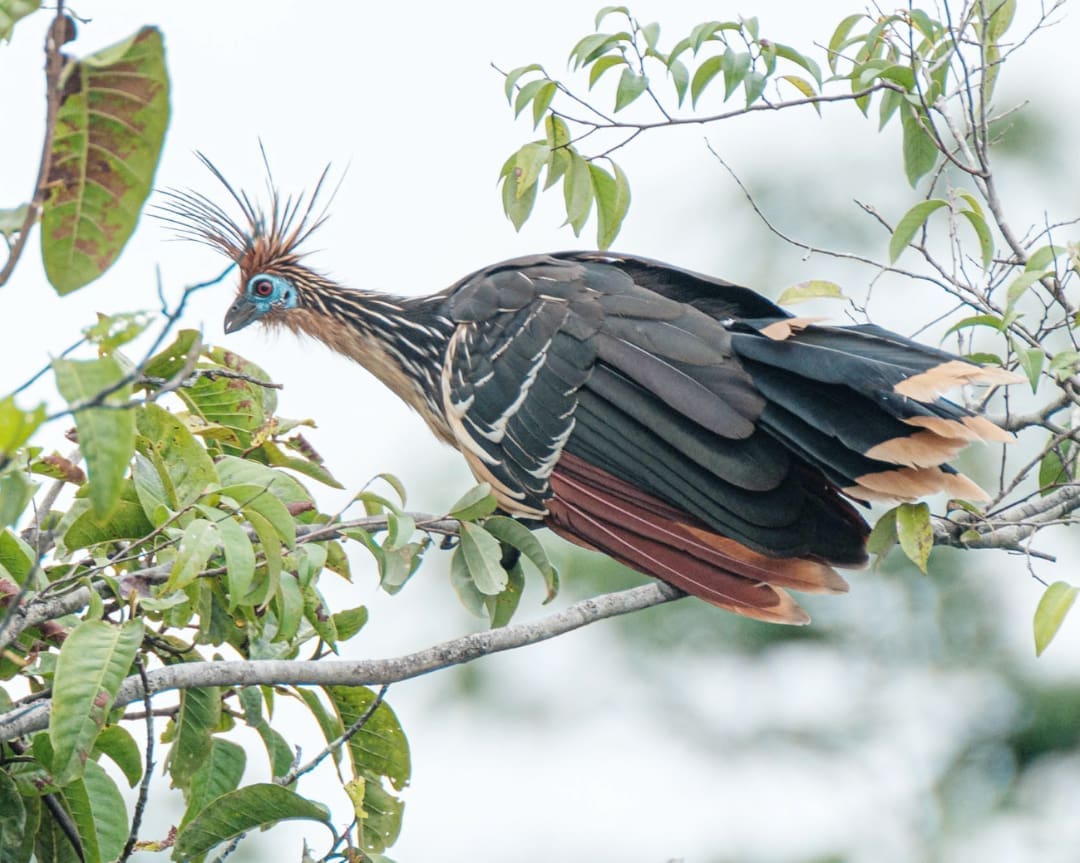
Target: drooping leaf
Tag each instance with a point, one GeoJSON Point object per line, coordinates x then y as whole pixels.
{"type": "Point", "coordinates": [915, 533]}
{"type": "Point", "coordinates": [200, 712]}
{"type": "Point", "coordinates": [109, 131]}
{"type": "Point", "coordinates": [1056, 602]}
{"type": "Point", "coordinates": [515, 534]}
{"type": "Point", "coordinates": [631, 85]}
{"type": "Point", "coordinates": [482, 555]}
{"type": "Point", "coordinates": [99, 813]}
{"type": "Point", "coordinates": [106, 434]}
{"type": "Point", "coordinates": [16, 425]}
{"type": "Point", "coordinates": [219, 773]}
{"type": "Point", "coordinates": [476, 503]}
{"type": "Point", "coordinates": [920, 149]}
{"type": "Point", "coordinates": [255, 806]}
{"type": "Point", "coordinates": [117, 743]}
{"type": "Point", "coordinates": [612, 195]}
{"type": "Point", "coordinates": [180, 459]}
{"type": "Point", "coordinates": [910, 223]}
{"type": "Point", "coordinates": [92, 664]}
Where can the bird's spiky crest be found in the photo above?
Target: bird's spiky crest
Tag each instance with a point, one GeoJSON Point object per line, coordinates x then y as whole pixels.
{"type": "Point", "coordinates": [260, 239]}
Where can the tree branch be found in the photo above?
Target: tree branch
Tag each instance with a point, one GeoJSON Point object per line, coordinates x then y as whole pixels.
{"type": "Point", "coordinates": [25, 720]}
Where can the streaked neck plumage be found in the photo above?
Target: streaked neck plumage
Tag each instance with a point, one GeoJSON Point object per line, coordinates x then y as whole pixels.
{"type": "Point", "coordinates": [400, 340]}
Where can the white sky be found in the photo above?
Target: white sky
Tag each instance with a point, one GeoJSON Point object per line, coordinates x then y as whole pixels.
{"type": "Point", "coordinates": [404, 95]}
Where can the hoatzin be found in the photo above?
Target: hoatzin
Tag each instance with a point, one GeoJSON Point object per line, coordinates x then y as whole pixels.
{"type": "Point", "coordinates": [683, 425]}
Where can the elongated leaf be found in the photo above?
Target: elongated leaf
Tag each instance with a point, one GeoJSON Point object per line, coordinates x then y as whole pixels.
{"type": "Point", "coordinates": [577, 192]}
{"type": "Point", "coordinates": [708, 70]}
{"type": "Point", "coordinates": [982, 231]}
{"type": "Point", "coordinates": [612, 202]}
{"type": "Point", "coordinates": [17, 559]}
{"type": "Point", "coordinates": [93, 662]}
{"type": "Point", "coordinates": [516, 535]}
{"type": "Point", "coordinates": [501, 608]}
{"type": "Point", "coordinates": [82, 528]}
{"type": "Point", "coordinates": [108, 137]}
{"type": "Point", "coordinates": [199, 541]}
{"type": "Point", "coordinates": [219, 773]}
{"type": "Point", "coordinates": [106, 435]}
{"type": "Point", "coordinates": [200, 712]}
{"type": "Point", "coordinates": [98, 810]}
{"type": "Point", "coordinates": [239, 559]}
{"type": "Point", "coordinates": [1031, 361]}
{"type": "Point", "coordinates": [1056, 602]}
{"type": "Point", "coordinates": [11, 11]}
{"type": "Point", "coordinates": [482, 554]}
{"type": "Point", "coordinates": [810, 290]}
{"type": "Point", "coordinates": [117, 743]}
{"type": "Point", "coordinates": [920, 150]}
{"type": "Point", "coordinates": [910, 223]}
{"type": "Point", "coordinates": [255, 806]}
{"type": "Point", "coordinates": [914, 532]}
{"type": "Point", "coordinates": [380, 747]}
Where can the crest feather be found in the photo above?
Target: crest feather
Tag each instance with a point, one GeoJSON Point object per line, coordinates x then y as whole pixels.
{"type": "Point", "coordinates": [258, 239]}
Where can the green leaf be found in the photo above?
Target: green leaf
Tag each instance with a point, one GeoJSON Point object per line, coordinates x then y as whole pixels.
{"type": "Point", "coordinates": [12, 821]}
{"type": "Point", "coordinates": [98, 810]}
{"type": "Point", "coordinates": [476, 503]}
{"type": "Point", "coordinates": [612, 202]}
{"type": "Point", "coordinates": [253, 498]}
{"type": "Point", "coordinates": [1050, 613]}
{"type": "Point", "coordinates": [1031, 361]}
{"type": "Point", "coordinates": [577, 192]}
{"type": "Point", "coordinates": [462, 582]}
{"type": "Point", "coordinates": [482, 555]}
{"type": "Point", "coordinates": [982, 231]}
{"type": "Point", "coordinates": [1042, 258]}
{"type": "Point", "coordinates": [810, 290]}
{"type": "Point", "coordinates": [920, 150]}
{"type": "Point", "coordinates": [883, 537]}
{"type": "Point", "coordinates": [631, 85]}
{"type": "Point", "coordinates": [198, 542]}
{"type": "Point", "coordinates": [1052, 468]}
{"type": "Point", "coordinates": [82, 528]}
{"type": "Point", "coordinates": [915, 533]}
{"type": "Point", "coordinates": [17, 425]}
{"type": "Point", "coordinates": [199, 715]}
{"type": "Point", "coordinates": [992, 321]}
{"type": "Point", "coordinates": [378, 750]}
{"type": "Point", "coordinates": [17, 559]}
{"type": "Point", "coordinates": [754, 86]}
{"type": "Point", "coordinates": [117, 743]}
{"type": "Point", "coordinates": [219, 773]}
{"type": "Point", "coordinates": [513, 533]}
{"type": "Point", "coordinates": [106, 434]}
{"type": "Point", "coordinates": [11, 11]}
{"type": "Point", "coordinates": [708, 70]}
{"type": "Point", "coordinates": [239, 559]}
{"type": "Point", "coordinates": [789, 53]}
{"type": "Point", "coordinates": [518, 196]}
{"type": "Point", "coordinates": [289, 607]}
{"type": "Point", "coordinates": [609, 10]}
{"type": "Point", "coordinates": [1019, 286]}
{"type": "Point", "coordinates": [512, 78]}
{"type": "Point", "coordinates": [526, 94]}
{"type": "Point", "coordinates": [93, 662]}
{"type": "Point", "coordinates": [803, 86]}
{"type": "Point", "coordinates": [184, 465]}
{"type": "Point", "coordinates": [910, 223]}
{"type": "Point", "coordinates": [501, 608]}
{"type": "Point", "coordinates": [736, 67]}
{"type": "Point", "coordinates": [256, 806]}
{"type": "Point", "coordinates": [542, 101]}
{"type": "Point", "coordinates": [108, 136]}
{"type": "Point", "coordinates": [16, 492]}
{"type": "Point", "coordinates": [602, 65]}
{"type": "Point", "coordinates": [350, 621]}
{"type": "Point", "coordinates": [839, 39]}
{"type": "Point", "coordinates": [680, 77]}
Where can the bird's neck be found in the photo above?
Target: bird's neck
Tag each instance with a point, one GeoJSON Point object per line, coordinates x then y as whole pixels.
{"type": "Point", "coordinates": [400, 340]}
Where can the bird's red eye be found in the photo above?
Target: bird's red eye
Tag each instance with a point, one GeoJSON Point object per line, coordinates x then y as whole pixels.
{"type": "Point", "coordinates": [263, 288]}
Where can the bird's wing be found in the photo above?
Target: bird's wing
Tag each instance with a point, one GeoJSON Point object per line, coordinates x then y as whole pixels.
{"type": "Point", "coordinates": [690, 428]}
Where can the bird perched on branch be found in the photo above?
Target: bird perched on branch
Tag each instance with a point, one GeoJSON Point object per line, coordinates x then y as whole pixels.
{"type": "Point", "coordinates": [683, 425]}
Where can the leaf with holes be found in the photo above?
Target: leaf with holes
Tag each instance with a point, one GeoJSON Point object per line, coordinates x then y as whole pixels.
{"type": "Point", "coordinates": [109, 130]}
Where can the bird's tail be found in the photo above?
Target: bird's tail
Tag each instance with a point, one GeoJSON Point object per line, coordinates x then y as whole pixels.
{"type": "Point", "coordinates": [596, 510]}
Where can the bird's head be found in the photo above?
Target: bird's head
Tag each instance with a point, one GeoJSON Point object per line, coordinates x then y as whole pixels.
{"type": "Point", "coordinates": [263, 243]}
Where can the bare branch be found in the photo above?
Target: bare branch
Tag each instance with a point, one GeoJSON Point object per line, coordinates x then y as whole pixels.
{"type": "Point", "coordinates": [371, 672]}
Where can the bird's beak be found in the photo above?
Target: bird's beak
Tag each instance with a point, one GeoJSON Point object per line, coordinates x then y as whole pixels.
{"type": "Point", "coordinates": [240, 314]}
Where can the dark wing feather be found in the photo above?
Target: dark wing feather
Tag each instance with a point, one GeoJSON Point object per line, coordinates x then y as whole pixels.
{"type": "Point", "coordinates": [690, 428]}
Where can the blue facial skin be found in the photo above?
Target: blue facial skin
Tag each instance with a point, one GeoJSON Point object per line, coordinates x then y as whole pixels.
{"type": "Point", "coordinates": [263, 293]}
